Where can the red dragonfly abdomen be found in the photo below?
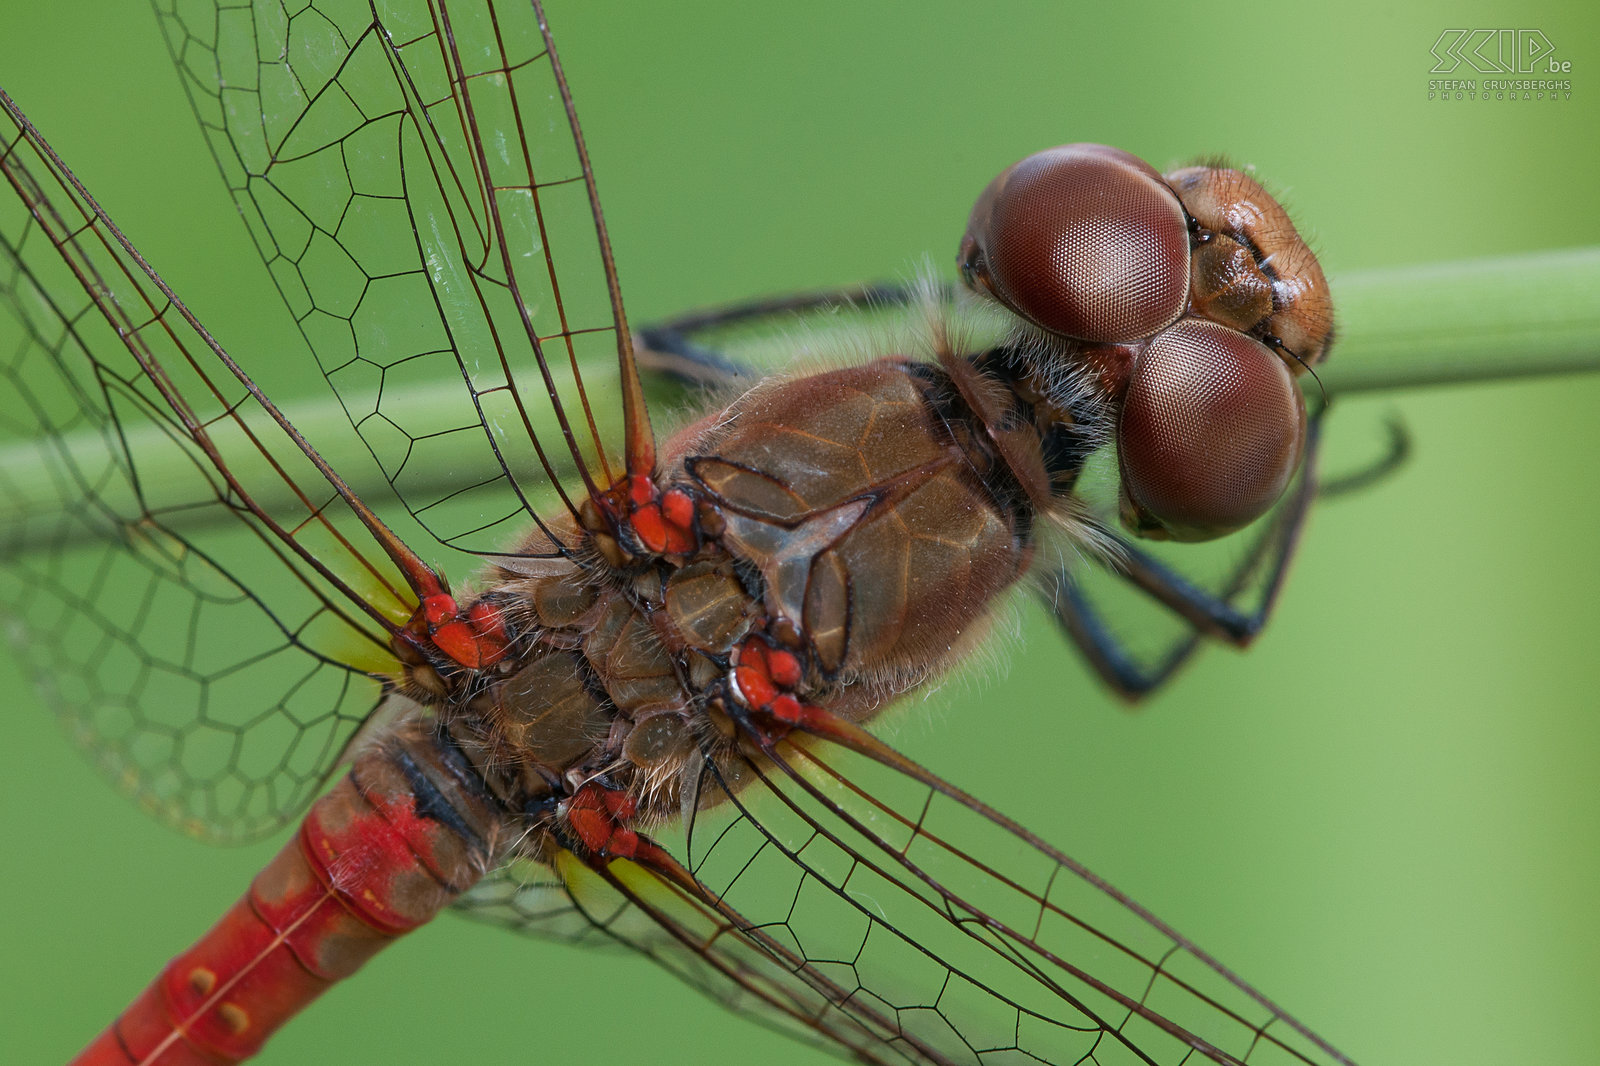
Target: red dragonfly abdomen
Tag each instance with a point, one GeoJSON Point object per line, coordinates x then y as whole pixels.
{"type": "Point", "coordinates": [396, 840]}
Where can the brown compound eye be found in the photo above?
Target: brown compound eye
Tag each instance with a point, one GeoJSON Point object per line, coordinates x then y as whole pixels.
{"type": "Point", "coordinates": [1211, 431]}
{"type": "Point", "coordinates": [1082, 240]}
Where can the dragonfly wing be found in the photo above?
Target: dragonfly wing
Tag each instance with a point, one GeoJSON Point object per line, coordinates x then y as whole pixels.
{"type": "Point", "coordinates": [630, 906]}
{"type": "Point", "coordinates": [974, 940]}
{"type": "Point", "coordinates": [170, 561]}
{"type": "Point", "coordinates": [832, 888]}
{"type": "Point", "coordinates": [433, 252]}
{"type": "Point", "coordinates": [414, 178]}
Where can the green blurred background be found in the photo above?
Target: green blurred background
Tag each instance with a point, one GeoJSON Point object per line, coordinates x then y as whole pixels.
{"type": "Point", "coordinates": [1385, 815]}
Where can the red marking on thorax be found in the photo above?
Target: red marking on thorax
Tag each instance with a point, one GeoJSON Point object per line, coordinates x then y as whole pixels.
{"type": "Point", "coordinates": [764, 676]}
{"type": "Point", "coordinates": [475, 638]}
{"type": "Point", "coordinates": [596, 816]}
{"type": "Point", "coordinates": [663, 521]}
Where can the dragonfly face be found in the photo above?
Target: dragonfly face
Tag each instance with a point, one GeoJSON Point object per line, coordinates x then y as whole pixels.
{"type": "Point", "coordinates": [1501, 564]}
{"type": "Point", "coordinates": [1209, 427]}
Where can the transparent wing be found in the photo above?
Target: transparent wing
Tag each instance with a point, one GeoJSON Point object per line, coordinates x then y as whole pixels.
{"type": "Point", "coordinates": [835, 889]}
{"type": "Point", "coordinates": [173, 569]}
{"type": "Point", "coordinates": [628, 906]}
{"type": "Point", "coordinates": [414, 178]}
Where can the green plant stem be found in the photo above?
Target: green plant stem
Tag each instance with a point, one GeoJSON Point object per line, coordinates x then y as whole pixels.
{"type": "Point", "coordinates": [1421, 326]}
{"type": "Point", "coordinates": [1476, 320]}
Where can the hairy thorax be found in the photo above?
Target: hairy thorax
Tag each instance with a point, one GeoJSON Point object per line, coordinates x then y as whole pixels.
{"type": "Point", "coordinates": [854, 529]}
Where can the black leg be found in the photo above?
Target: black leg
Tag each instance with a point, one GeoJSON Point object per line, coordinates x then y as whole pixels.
{"type": "Point", "coordinates": [1210, 613]}
{"type": "Point", "coordinates": [1393, 458]}
{"type": "Point", "coordinates": [1123, 673]}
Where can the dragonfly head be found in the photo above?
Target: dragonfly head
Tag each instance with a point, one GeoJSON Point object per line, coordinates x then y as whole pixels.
{"type": "Point", "coordinates": [1189, 300]}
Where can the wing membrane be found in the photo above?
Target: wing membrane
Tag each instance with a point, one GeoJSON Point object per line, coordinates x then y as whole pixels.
{"type": "Point", "coordinates": [200, 637]}
{"type": "Point", "coordinates": [834, 889]}
{"type": "Point", "coordinates": [413, 178]}
{"type": "Point", "coordinates": [379, 160]}
{"type": "Point", "coordinates": [630, 906]}
{"type": "Point", "coordinates": [979, 940]}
